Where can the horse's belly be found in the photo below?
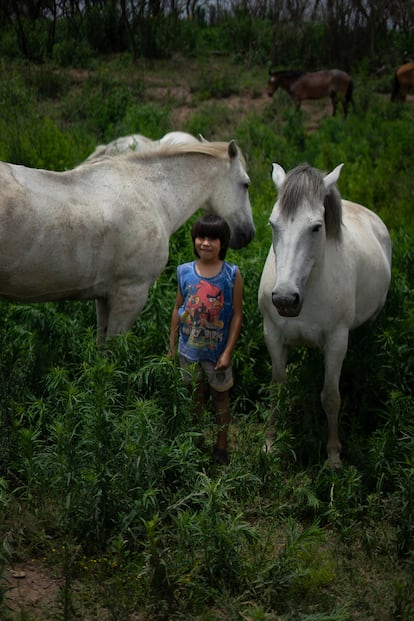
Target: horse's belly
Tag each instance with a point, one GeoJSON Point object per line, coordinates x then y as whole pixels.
{"type": "Point", "coordinates": [42, 286]}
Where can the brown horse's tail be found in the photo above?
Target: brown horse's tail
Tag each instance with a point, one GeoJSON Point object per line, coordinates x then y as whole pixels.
{"type": "Point", "coordinates": [395, 89]}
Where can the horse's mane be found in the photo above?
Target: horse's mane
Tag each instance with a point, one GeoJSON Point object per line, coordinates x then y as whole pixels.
{"type": "Point", "coordinates": [289, 74]}
{"type": "Point", "coordinates": [217, 150]}
{"type": "Point", "coordinates": [305, 181]}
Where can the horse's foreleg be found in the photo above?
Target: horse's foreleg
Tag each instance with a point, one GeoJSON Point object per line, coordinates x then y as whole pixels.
{"type": "Point", "coordinates": [102, 314]}
{"type": "Point", "coordinates": [334, 100]}
{"type": "Point", "coordinates": [221, 403]}
{"type": "Point", "coordinates": [125, 304]}
{"type": "Point", "coordinates": [330, 397]}
{"type": "Point", "coordinates": [278, 354]}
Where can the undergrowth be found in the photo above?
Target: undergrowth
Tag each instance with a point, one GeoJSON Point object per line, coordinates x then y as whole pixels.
{"type": "Point", "coordinates": [105, 476]}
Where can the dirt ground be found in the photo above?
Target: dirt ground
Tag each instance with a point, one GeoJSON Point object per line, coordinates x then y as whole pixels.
{"type": "Point", "coordinates": [32, 589]}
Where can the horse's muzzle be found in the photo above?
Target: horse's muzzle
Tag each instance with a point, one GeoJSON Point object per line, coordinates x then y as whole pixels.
{"type": "Point", "coordinates": [287, 306]}
{"type": "Point", "coordinates": [241, 237]}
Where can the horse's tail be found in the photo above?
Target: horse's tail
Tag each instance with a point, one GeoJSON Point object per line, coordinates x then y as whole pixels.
{"type": "Point", "coordinates": [395, 89]}
{"type": "Point", "coordinates": [349, 97]}
{"type": "Point", "coordinates": [349, 93]}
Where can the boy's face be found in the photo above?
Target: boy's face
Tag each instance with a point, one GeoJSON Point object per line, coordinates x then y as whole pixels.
{"type": "Point", "coordinates": [207, 248]}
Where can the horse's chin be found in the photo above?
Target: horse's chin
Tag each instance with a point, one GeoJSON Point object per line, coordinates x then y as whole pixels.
{"type": "Point", "coordinates": [286, 311]}
{"type": "Point", "coordinates": [241, 238]}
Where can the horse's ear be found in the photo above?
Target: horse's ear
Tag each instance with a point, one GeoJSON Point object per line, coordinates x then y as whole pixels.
{"type": "Point", "coordinates": [233, 152]}
{"type": "Point", "coordinates": [278, 175]}
{"type": "Point", "coordinates": [331, 178]}
{"type": "Point", "coordinates": [202, 139]}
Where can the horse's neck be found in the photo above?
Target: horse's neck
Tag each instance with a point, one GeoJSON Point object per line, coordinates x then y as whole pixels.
{"type": "Point", "coordinates": [286, 84]}
{"type": "Point", "coordinates": [190, 179]}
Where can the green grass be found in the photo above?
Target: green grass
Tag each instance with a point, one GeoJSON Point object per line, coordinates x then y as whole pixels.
{"type": "Point", "coordinates": [103, 480]}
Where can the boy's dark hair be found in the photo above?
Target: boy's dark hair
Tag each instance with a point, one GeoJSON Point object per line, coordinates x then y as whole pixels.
{"type": "Point", "coordinates": [214, 227]}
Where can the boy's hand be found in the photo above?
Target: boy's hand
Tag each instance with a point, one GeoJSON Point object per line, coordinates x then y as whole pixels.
{"type": "Point", "coordinates": [223, 362]}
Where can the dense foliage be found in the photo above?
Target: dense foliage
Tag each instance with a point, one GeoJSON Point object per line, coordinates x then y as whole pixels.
{"type": "Point", "coordinates": [308, 34]}
{"type": "Point", "coordinates": [102, 475]}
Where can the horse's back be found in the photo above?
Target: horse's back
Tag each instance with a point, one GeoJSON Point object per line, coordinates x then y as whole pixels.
{"type": "Point", "coordinates": [368, 248]}
{"type": "Point", "coordinates": [406, 71]}
{"type": "Point", "coordinates": [340, 81]}
{"type": "Point", "coordinates": [366, 223]}
{"type": "Point", "coordinates": [317, 84]}
{"type": "Point", "coordinates": [178, 137]}
{"type": "Point", "coordinates": [133, 142]}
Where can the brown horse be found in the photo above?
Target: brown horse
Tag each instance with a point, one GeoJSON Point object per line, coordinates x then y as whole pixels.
{"type": "Point", "coordinates": [300, 85]}
{"type": "Point", "coordinates": [403, 81]}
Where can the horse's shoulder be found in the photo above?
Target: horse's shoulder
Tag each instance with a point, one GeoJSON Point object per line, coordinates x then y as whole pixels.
{"type": "Point", "coordinates": [361, 218]}
{"type": "Point", "coordinates": [356, 212]}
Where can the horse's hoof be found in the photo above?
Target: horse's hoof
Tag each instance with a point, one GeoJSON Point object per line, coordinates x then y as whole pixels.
{"type": "Point", "coordinates": [220, 456]}
{"type": "Point", "coordinates": [335, 463]}
{"type": "Point", "coordinates": [268, 446]}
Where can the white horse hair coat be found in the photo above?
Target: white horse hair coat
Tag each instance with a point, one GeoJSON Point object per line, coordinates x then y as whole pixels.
{"type": "Point", "coordinates": [138, 142]}
{"type": "Point", "coordinates": [327, 272]}
{"type": "Point", "coordinates": [101, 231]}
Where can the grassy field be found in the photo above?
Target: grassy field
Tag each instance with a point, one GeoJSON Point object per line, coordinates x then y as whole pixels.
{"type": "Point", "coordinates": [109, 510]}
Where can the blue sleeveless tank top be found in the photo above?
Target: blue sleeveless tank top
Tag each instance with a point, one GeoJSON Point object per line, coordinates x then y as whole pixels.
{"type": "Point", "coordinates": [206, 313]}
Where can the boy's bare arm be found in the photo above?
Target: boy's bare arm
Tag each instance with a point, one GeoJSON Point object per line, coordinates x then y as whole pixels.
{"type": "Point", "coordinates": [236, 323]}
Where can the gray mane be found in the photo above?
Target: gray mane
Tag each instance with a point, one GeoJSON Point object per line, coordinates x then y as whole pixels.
{"type": "Point", "coordinates": [217, 150]}
{"type": "Point", "coordinates": [214, 149]}
{"type": "Point", "coordinates": [305, 182]}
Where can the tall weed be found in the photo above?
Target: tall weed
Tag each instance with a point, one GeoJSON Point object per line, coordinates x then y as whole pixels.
{"type": "Point", "coordinates": [99, 448]}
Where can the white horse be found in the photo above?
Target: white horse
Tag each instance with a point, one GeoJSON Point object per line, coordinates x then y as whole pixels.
{"type": "Point", "coordinates": [101, 231]}
{"type": "Point", "coordinates": [178, 137]}
{"type": "Point", "coordinates": [134, 142]}
{"type": "Point", "coordinates": [328, 271]}
{"type": "Point", "coordinates": [138, 142]}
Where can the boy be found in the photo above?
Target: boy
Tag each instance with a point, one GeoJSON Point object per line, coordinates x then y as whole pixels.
{"type": "Point", "coordinates": [207, 318]}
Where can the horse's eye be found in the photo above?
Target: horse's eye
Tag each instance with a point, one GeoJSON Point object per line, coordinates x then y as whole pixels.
{"type": "Point", "coordinates": [246, 185]}
{"type": "Point", "coordinates": [316, 228]}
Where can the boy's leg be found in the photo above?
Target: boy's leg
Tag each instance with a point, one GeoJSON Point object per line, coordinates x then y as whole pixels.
{"type": "Point", "coordinates": [201, 395]}
{"type": "Point", "coordinates": [196, 382]}
{"type": "Point", "coordinates": [221, 403]}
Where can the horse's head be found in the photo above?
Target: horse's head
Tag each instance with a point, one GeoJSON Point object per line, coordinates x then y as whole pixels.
{"type": "Point", "coordinates": [230, 197]}
{"type": "Point", "coordinates": [300, 228]}
{"type": "Point", "coordinates": [272, 83]}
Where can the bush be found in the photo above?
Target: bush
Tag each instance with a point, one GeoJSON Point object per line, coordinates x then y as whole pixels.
{"type": "Point", "coordinates": [100, 457]}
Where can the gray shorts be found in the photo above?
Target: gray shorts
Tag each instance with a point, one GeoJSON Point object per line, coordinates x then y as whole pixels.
{"type": "Point", "coordinates": [218, 380]}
